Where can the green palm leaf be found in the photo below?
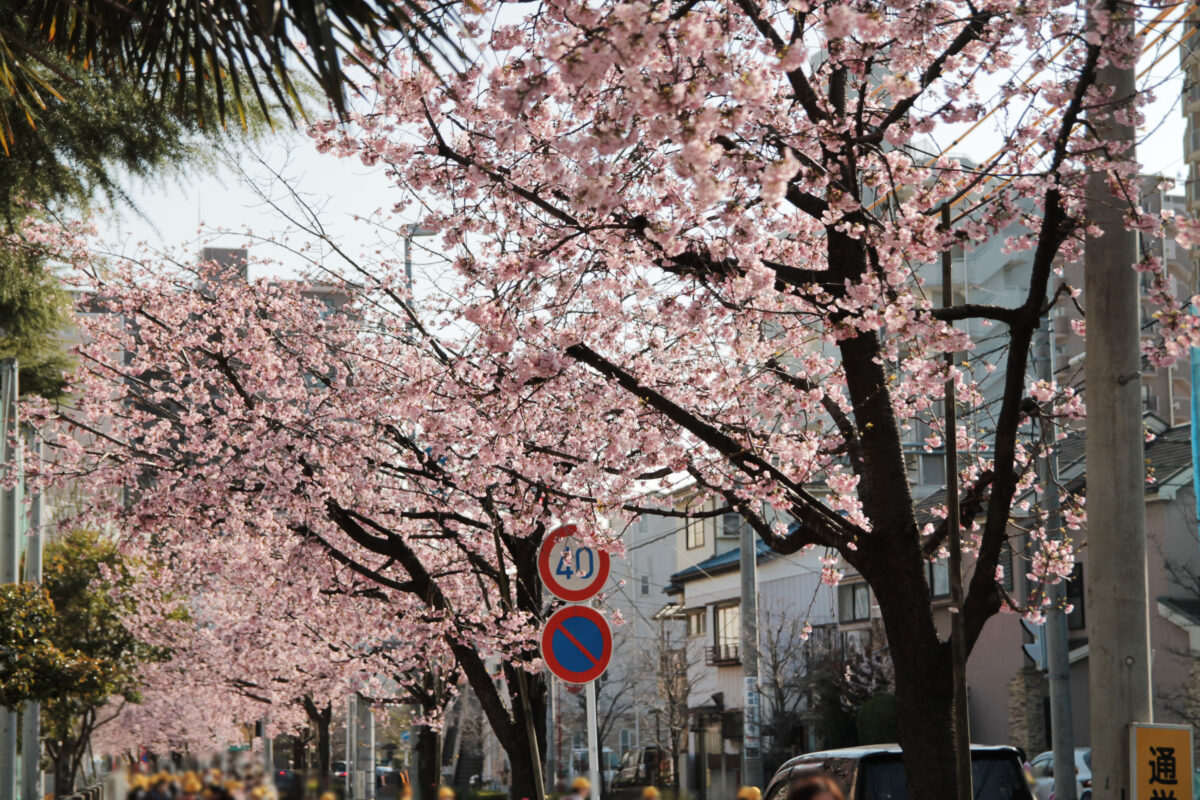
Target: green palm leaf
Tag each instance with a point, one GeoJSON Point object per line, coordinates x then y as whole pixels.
{"type": "Point", "coordinates": [238, 53]}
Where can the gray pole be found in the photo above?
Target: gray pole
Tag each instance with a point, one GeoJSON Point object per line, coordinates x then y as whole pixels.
{"type": "Point", "coordinates": [408, 276]}
{"type": "Point", "coordinates": [593, 740]}
{"type": "Point", "coordinates": [958, 642]}
{"type": "Point", "coordinates": [369, 720]}
{"type": "Point", "coordinates": [351, 746]}
{"type": "Point", "coordinates": [751, 730]}
{"type": "Point", "coordinates": [1117, 606]}
{"type": "Point", "coordinates": [1062, 730]}
{"type": "Point", "coordinates": [10, 552]}
{"type": "Point", "coordinates": [412, 230]}
{"type": "Point", "coordinates": [551, 774]}
{"type": "Point", "coordinates": [31, 718]}
{"type": "Point", "coordinates": [268, 745]}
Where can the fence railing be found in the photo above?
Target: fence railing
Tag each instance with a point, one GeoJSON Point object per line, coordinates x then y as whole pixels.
{"type": "Point", "coordinates": [723, 655]}
{"type": "Point", "coordinates": [94, 791]}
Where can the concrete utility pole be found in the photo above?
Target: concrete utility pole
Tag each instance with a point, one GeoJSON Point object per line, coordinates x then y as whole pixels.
{"type": "Point", "coordinates": [1062, 729]}
{"type": "Point", "coordinates": [752, 770]}
{"type": "Point", "coordinates": [10, 551]}
{"type": "Point", "coordinates": [958, 642]}
{"type": "Point", "coordinates": [31, 718]}
{"type": "Point", "coordinates": [1117, 610]}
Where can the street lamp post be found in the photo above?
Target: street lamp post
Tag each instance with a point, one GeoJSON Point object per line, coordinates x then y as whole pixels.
{"type": "Point", "coordinates": [411, 231]}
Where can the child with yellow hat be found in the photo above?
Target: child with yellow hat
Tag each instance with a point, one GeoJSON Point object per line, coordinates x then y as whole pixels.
{"type": "Point", "coordinates": [581, 788]}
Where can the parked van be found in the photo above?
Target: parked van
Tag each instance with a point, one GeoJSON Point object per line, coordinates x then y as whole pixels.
{"type": "Point", "coordinates": [646, 766]}
{"type": "Point", "coordinates": [876, 772]}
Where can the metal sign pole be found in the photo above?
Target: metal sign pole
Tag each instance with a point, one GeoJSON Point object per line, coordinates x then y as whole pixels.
{"type": "Point", "coordinates": [10, 554]}
{"type": "Point", "coordinates": [31, 720]}
{"type": "Point", "coordinates": [351, 746]}
{"type": "Point", "coordinates": [593, 741]}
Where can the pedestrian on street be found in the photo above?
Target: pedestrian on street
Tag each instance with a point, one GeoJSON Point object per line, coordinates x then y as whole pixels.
{"type": "Point", "coordinates": [161, 790]}
{"type": "Point", "coordinates": [139, 787]}
{"type": "Point", "coordinates": [819, 787]}
{"type": "Point", "coordinates": [191, 787]}
{"type": "Point", "coordinates": [581, 787]}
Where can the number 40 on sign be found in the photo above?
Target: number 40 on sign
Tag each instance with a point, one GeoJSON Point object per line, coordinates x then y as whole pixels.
{"type": "Point", "coordinates": [571, 570]}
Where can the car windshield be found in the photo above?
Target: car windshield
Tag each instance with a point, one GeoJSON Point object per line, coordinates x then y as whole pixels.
{"type": "Point", "coordinates": [1087, 758]}
{"type": "Point", "coordinates": [997, 776]}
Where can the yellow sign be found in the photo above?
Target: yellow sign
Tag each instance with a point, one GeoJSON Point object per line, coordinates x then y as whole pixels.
{"type": "Point", "coordinates": [1162, 762]}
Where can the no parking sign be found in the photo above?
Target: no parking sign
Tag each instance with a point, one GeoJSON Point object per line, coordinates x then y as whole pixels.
{"type": "Point", "coordinates": [577, 641]}
{"type": "Point", "coordinates": [577, 644]}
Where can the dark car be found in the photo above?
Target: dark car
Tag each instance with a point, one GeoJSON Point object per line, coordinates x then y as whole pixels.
{"type": "Point", "coordinates": [288, 784]}
{"type": "Point", "coordinates": [646, 766]}
{"type": "Point", "coordinates": [876, 772]}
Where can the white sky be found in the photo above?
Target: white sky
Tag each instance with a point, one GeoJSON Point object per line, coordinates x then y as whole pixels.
{"type": "Point", "coordinates": [177, 213]}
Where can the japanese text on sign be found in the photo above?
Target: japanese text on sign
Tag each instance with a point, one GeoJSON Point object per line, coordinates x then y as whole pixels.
{"type": "Point", "coordinates": [1162, 762]}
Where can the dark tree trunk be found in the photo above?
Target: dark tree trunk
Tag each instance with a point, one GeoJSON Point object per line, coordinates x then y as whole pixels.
{"type": "Point", "coordinates": [321, 717]}
{"type": "Point", "coordinates": [324, 743]}
{"type": "Point", "coordinates": [299, 753]}
{"type": "Point", "coordinates": [520, 749]}
{"type": "Point", "coordinates": [66, 757]}
{"type": "Point", "coordinates": [924, 686]}
{"type": "Point", "coordinates": [429, 768]}
{"type": "Point", "coordinates": [522, 787]}
{"type": "Point", "coordinates": [64, 777]}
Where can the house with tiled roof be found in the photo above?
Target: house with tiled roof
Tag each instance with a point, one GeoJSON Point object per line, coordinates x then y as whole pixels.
{"type": "Point", "coordinates": [1009, 695]}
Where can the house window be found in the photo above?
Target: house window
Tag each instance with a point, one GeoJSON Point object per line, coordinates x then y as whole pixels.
{"type": "Point", "coordinates": [939, 579]}
{"type": "Point", "coordinates": [729, 632]}
{"type": "Point", "coordinates": [924, 469]}
{"type": "Point", "coordinates": [626, 740]}
{"type": "Point", "coordinates": [697, 622]}
{"type": "Point", "coordinates": [694, 532]}
{"type": "Point", "coordinates": [645, 584]}
{"type": "Point", "coordinates": [1074, 594]}
{"type": "Point", "coordinates": [933, 469]}
{"type": "Point", "coordinates": [854, 602]}
{"type": "Point", "coordinates": [731, 525]}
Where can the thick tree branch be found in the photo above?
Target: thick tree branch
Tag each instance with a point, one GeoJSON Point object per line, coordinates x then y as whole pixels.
{"type": "Point", "coordinates": [818, 524]}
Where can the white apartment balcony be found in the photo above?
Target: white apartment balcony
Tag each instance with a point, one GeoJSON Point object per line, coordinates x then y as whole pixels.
{"type": "Point", "coordinates": [1191, 91]}
{"type": "Point", "coordinates": [1192, 142]}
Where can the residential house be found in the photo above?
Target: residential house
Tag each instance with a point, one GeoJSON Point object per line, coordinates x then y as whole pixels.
{"type": "Point", "coordinates": [791, 599]}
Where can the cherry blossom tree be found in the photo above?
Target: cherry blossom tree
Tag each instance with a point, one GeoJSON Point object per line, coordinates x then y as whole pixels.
{"type": "Point", "coordinates": [322, 488]}
{"type": "Point", "coordinates": [689, 237]}
{"type": "Point", "coordinates": [716, 218]}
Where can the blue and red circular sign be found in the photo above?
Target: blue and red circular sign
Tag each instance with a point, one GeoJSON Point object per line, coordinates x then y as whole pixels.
{"type": "Point", "coordinates": [577, 644]}
{"type": "Point", "coordinates": [570, 569]}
